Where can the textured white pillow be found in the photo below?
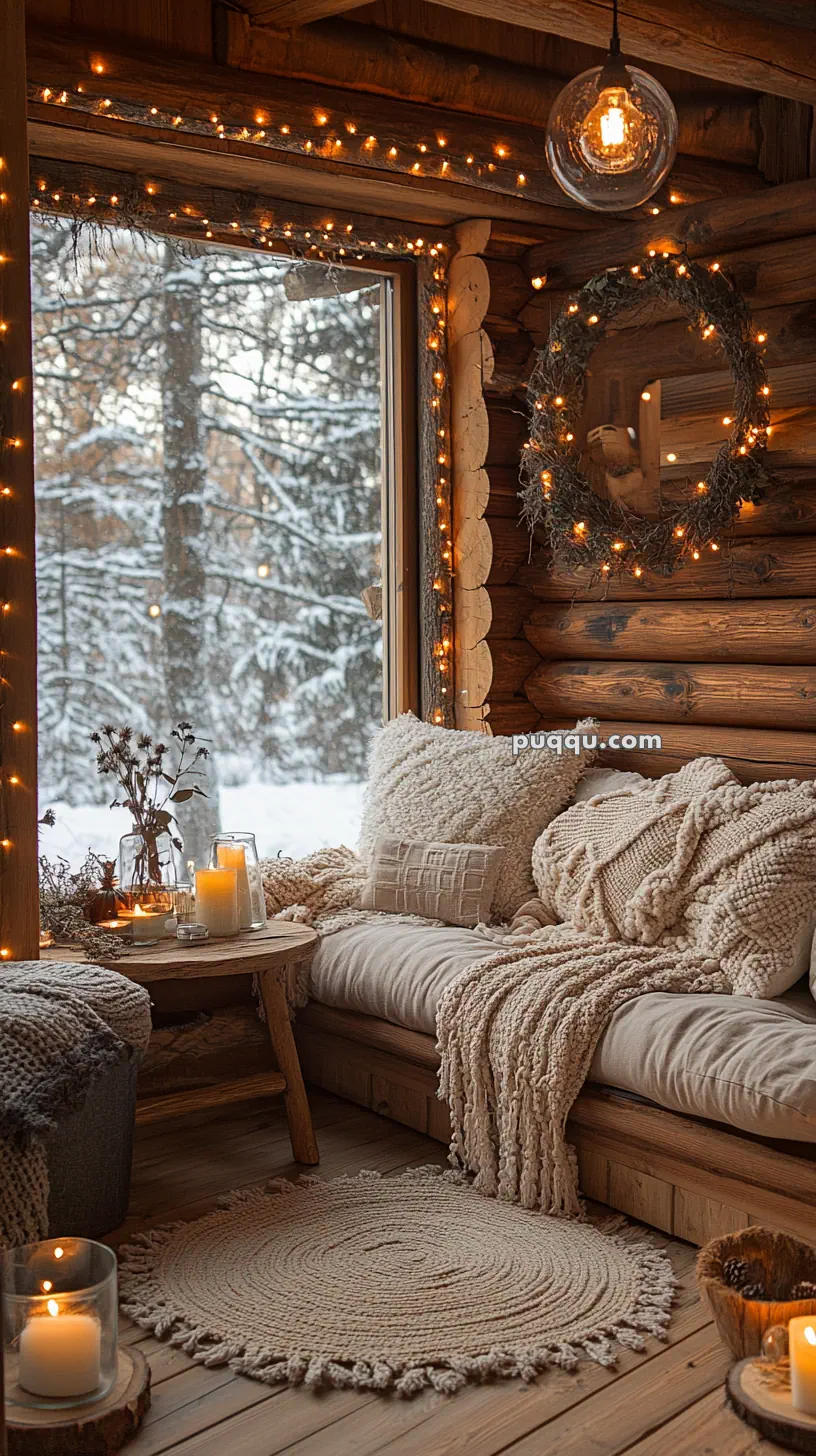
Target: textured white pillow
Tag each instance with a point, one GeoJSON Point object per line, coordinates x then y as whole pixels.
{"type": "Point", "coordinates": [451, 882]}
{"type": "Point", "coordinates": [456, 787]}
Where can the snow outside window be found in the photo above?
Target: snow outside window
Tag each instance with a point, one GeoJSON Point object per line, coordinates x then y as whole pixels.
{"type": "Point", "coordinates": [209, 511]}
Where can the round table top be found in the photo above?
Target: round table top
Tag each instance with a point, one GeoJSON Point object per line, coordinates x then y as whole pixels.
{"type": "Point", "coordinates": [280, 943]}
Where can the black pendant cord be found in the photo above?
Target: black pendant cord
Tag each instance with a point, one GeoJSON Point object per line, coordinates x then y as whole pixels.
{"type": "Point", "coordinates": [614, 44]}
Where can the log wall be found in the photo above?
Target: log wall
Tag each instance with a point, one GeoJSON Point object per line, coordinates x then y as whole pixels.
{"type": "Point", "coordinates": [721, 657]}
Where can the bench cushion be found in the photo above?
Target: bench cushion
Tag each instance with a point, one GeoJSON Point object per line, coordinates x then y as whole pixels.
{"type": "Point", "coordinates": [733, 1059]}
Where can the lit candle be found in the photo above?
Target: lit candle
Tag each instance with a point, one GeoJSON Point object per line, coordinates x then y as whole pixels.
{"type": "Point", "coordinates": [233, 857]}
{"type": "Point", "coordinates": [217, 900]}
{"type": "Point", "coordinates": [147, 924]}
{"type": "Point", "coordinates": [802, 1351]}
{"type": "Point", "coordinates": [60, 1353]}
{"type": "Point", "coordinates": [114, 927]}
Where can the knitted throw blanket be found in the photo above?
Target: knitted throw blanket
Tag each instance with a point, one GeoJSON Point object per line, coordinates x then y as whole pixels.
{"type": "Point", "coordinates": [697, 884]}
{"type": "Point", "coordinates": [61, 1026]}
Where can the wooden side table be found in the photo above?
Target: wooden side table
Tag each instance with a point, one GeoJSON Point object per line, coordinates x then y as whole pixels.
{"type": "Point", "coordinates": [268, 954]}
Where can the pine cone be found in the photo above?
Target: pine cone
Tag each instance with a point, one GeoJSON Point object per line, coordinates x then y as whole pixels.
{"type": "Point", "coordinates": [753, 1291]}
{"type": "Point", "coordinates": [734, 1272]}
{"type": "Point", "coordinates": [805, 1289]}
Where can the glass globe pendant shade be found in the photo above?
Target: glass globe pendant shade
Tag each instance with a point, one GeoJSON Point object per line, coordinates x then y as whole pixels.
{"type": "Point", "coordinates": [612, 137]}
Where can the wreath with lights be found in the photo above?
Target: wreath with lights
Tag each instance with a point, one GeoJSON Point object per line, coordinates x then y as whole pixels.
{"type": "Point", "coordinates": [582, 528]}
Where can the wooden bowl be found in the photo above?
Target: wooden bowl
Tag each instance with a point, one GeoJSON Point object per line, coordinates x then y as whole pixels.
{"type": "Point", "coordinates": [780, 1260]}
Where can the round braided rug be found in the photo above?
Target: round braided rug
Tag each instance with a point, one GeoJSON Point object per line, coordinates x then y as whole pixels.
{"type": "Point", "coordinates": [380, 1283]}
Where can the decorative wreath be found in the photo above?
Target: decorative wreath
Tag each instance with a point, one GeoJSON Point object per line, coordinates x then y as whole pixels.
{"type": "Point", "coordinates": [585, 530]}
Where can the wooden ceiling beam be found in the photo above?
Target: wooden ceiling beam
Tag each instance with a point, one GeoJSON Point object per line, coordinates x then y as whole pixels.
{"type": "Point", "coordinates": [788, 211]}
{"type": "Point", "coordinates": [703, 36]}
{"type": "Point", "coordinates": [65, 135]}
{"type": "Point", "coordinates": [284, 13]}
{"type": "Point", "coordinates": [719, 125]}
{"type": "Point", "coordinates": [309, 127]}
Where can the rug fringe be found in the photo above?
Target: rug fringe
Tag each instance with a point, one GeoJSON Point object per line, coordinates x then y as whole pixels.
{"type": "Point", "coordinates": [144, 1303]}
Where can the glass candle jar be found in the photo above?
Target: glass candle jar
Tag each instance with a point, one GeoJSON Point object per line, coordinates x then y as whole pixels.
{"type": "Point", "coordinates": [59, 1323]}
{"type": "Point", "coordinates": [239, 852]}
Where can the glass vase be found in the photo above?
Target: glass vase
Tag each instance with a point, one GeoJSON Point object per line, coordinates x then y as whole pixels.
{"type": "Point", "coordinates": [239, 852]}
{"type": "Point", "coordinates": [151, 868]}
{"type": "Point", "coordinates": [59, 1323]}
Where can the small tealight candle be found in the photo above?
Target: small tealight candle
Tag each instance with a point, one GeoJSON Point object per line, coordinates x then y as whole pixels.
{"type": "Point", "coordinates": [802, 1352]}
{"type": "Point", "coordinates": [114, 927]}
{"type": "Point", "coordinates": [60, 1353]}
{"type": "Point", "coordinates": [147, 925]}
{"type": "Point", "coordinates": [217, 900]}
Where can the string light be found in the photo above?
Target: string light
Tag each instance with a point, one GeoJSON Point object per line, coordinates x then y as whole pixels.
{"type": "Point", "coordinates": [538, 282]}
{"type": "Point", "coordinates": [646, 394]}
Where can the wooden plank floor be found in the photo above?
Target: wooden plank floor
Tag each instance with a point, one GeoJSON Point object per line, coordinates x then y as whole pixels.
{"type": "Point", "coordinates": [667, 1400]}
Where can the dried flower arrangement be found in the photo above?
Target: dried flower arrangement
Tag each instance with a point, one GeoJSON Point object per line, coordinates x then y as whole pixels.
{"type": "Point", "coordinates": [64, 894]}
{"type": "Point", "coordinates": [146, 773]}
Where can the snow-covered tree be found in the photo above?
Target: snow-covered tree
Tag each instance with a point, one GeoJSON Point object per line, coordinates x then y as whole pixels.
{"type": "Point", "coordinates": [208, 482]}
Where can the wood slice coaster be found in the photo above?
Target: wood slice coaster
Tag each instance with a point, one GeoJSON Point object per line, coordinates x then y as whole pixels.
{"type": "Point", "coordinates": [769, 1410]}
{"type": "Point", "coordinates": [95, 1429]}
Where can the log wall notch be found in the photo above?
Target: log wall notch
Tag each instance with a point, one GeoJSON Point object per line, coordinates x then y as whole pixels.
{"type": "Point", "coordinates": [471, 367]}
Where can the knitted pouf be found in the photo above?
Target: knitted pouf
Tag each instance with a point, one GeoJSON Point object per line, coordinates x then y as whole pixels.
{"type": "Point", "coordinates": [393, 1283]}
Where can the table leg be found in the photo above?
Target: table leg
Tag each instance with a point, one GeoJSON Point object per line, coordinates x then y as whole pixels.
{"type": "Point", "coordinates": [304, 1145]}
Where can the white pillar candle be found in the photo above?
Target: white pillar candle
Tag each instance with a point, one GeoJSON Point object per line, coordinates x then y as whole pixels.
{"type": "Point", "coordinates": [802, 1351]}
{"type": "Point", "coordinates": [60, 1353]}
{"type": "Point", "coordinates": [233, 857]}
{"type": "Point", "coordinates": [217, 901]}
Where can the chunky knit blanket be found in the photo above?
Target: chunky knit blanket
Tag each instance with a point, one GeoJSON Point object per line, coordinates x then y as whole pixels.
{"type": "Point", "coordinates": [697, 884]}
{"type": "Point", "coordinates": [61, 1026]}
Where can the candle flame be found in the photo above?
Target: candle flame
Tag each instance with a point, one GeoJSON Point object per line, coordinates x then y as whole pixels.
{"type": "Point", "coordinates": [58, 1252]}
{"type": "Point", "coordinates": [810, 1334]}
{"type": "Point", "coordinates": [137, 910]}
{"type": "Point", "coordinates": [47, 1286]}
{"type": "Point", "coordinates": [53, 1308]}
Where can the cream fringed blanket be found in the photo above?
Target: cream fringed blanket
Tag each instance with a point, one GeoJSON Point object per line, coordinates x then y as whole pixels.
{"type": "Point", "coordinates": [695, 884]}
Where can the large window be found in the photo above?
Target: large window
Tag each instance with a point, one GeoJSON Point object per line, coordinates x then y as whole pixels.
{"type": "Point", "coordinates": [208, 428]}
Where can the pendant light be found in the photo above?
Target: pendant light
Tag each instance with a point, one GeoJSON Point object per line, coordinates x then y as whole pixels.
{"type": "Point", "coordinates": [612, 134]}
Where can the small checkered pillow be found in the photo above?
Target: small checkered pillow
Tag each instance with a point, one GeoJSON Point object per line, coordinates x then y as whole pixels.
{"type": "Point", "coordinates": [451, 882]}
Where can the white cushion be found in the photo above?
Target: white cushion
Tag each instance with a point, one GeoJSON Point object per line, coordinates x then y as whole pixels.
{"type": "Point", "coordinates": [734, 1059]}
{"type": "Point", "coordinates": [456, 787]}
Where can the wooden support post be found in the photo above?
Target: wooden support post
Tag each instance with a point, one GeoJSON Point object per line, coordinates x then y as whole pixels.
{"type": "Point", "coordinates": [19, 910]}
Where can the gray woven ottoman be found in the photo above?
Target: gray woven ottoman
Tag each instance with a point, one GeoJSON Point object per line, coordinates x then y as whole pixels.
{"type": "Point", "coordinates": [89, 1156]}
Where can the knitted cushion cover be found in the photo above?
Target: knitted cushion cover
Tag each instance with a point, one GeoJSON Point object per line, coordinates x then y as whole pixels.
{"type": "Point", "coordinates": [467, 788]}
{"type": "Point", "coordinates": [696, 860]}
